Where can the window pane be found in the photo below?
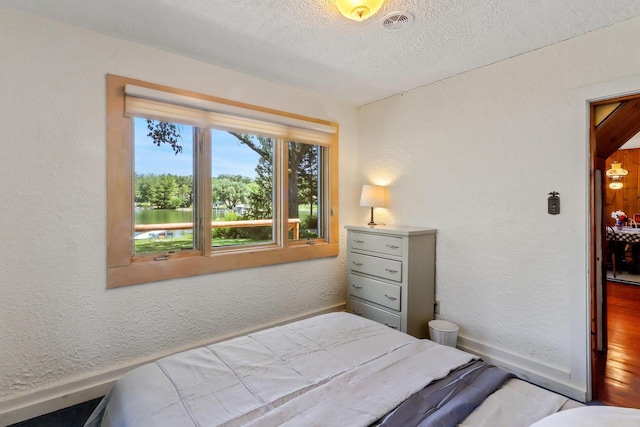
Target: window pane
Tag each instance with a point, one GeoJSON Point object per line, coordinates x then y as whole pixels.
{"type": "Point", "coordinates": [163, 186]}
{"type": "Point", "coordinates": [241, 189]}
{"type": "Point", "coordinates": [305, 191]}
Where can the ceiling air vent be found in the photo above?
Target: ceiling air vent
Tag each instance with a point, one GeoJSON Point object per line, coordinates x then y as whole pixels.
{"type": "Point", "coordinates": [396, 20]}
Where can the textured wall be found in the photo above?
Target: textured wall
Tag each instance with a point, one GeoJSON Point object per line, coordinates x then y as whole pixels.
{"type": "Point", "coordinates": [58, 322]}
{"type": "Point", "coordinates": [475, 157]}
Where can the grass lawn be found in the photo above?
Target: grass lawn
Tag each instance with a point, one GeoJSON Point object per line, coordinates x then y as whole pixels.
{"type": "Point", "coordinates": [147, 246]}
{"type": "Point", "coordinates": [185, 242]}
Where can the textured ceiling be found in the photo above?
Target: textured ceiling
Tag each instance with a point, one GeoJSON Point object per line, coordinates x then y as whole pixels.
{"type": "Point", "coordinates": [308, 44]}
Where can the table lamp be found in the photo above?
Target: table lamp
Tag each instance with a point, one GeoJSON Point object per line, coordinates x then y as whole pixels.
{"type": "Point", "coordinates": [373, 196]}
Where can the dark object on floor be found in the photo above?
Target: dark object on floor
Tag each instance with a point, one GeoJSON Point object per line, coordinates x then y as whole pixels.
{"type": "Point", "coordinates": [74, 416]}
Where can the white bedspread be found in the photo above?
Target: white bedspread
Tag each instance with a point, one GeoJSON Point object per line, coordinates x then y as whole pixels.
{"type": "Point", "coordinates": [314, 372]}
{"type": "Point", "coordinates": [365, 394]}
{"type": "Point", "coordinates": [592, 416]}
{"type": "Point", "coordinates": [515, 404]}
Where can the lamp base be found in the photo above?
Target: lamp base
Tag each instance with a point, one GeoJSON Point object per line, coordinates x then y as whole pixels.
{"type": "Point", "coordinates": [371, 222]}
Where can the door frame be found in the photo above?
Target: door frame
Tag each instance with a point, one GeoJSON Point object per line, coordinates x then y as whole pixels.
{"type": "Point", "coordinates": [583, 102]}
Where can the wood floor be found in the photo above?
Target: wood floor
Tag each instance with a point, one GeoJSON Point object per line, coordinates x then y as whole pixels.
{"type": "Point", "coordinates": [617, 379]}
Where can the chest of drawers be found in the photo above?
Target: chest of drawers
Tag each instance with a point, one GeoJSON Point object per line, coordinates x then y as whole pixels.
{"type": "Point", "coordinates": [391, 276]}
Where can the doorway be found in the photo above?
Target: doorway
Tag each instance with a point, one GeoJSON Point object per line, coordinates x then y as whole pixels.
{"type": "Point", "coordinates": [613, 122]}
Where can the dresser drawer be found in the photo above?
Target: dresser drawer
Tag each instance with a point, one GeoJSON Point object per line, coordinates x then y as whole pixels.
{"type": "Point", "coordinates": [372, 290]}
{"type": "Point", "coordinates": [360, 308]}
{"type": "Point", "coordinates": [380, 267]}
{"type": "Point", "coordinates": [370, 242]}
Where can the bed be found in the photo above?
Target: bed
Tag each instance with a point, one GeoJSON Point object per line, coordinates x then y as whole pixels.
{"type": "Point", "coordinates": [336, 369]}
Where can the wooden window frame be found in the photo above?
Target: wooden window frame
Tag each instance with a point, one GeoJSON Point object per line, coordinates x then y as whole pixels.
{"type": "Point", "coordinates": [122, 266]}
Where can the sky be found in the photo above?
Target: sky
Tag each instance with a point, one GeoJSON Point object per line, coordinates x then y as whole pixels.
{"type": "Point", "coordinates": [229, 156]}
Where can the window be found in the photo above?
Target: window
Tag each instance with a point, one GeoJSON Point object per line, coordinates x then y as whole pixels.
{"type": "Point", "coordinates": [198, 184]}
{"type": "Point", "coordinates": [242, 196]}
{"type": "Point", "coordinates": [163, 187]}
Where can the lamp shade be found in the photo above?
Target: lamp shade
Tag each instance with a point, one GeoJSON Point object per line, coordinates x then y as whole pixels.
{"type": "Point", "coordinates": [358, 10]}
{"type": "Point", "coordinates": [615, 185]}
{"type": "Point", "coordinates": [373, 196]}
{"type": "Point", "coordinates": [616, 170]}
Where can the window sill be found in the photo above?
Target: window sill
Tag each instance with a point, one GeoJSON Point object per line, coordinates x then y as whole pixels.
{"type": "Point", "coordinates": [173, 268]}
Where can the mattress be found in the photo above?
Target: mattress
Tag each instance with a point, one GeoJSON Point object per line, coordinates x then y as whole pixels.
{"type": "Point", "coordinates": [335, 369]}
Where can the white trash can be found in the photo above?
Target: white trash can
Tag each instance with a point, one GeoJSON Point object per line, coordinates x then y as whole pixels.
{"type": "Point", "coordinates": [443, 332]}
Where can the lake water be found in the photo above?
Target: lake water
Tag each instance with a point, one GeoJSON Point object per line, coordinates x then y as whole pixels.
{"type": "Point", "coordinates": [163, 216]}
{"type": "Point", "coordinates": [168, 216]}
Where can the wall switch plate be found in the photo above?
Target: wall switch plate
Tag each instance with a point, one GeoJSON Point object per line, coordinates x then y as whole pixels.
{"type": "Point", "coordinates": [553, 203]}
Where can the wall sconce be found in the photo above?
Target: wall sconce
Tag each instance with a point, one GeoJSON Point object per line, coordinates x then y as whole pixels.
{"type": "Point", "coordinates": [358, 10]}
{"type": "Point", "coordinates": [373, 196]}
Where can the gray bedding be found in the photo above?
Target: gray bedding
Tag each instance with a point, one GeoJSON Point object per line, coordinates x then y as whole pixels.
{"type": "Point", "coordinates": [448, 401]}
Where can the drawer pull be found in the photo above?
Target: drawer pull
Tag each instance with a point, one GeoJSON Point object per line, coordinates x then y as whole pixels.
{"type": "Point", "coordinates": [356, 286]}
{"type": "Point", "coordinates": [358, 241]}
{"type": "Point", "coordinates": [391, 326]}
{"type": "Point", "coordinates": [390, 297]}
{"type": "Point", "coordinates": [357, 312]}
{"type": "Point", "coordinates": [356, 263]}
{"type": "Point", "coordinates": [393, 246]}
{"type": "Point", "coordinates": [390, 270]}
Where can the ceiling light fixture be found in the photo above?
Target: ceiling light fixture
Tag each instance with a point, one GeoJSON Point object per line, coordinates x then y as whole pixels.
{"type": "Point", "coordinates": [359, 10]}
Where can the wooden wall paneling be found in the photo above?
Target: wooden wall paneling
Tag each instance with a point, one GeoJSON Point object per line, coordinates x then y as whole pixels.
{"type": "Point", "coordinates": [630, 157]}
{"type": "Point", "coordinates": [626, 199]}
{"type": "Point", "coordinates": [618, 128]}
{"type": "Point", "coordinates": [635, 182]}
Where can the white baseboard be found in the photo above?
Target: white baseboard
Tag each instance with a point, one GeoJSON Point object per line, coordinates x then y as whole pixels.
{"type": "Point", "coordinates": [63, 395]}
{"type": "Point", "coordinates": [546, 376]}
